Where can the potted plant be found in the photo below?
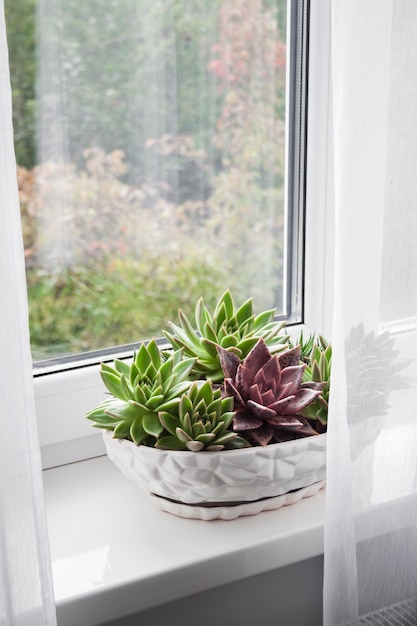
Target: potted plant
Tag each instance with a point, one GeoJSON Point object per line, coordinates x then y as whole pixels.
{"type": "Point", "coordinates": [229, 419]}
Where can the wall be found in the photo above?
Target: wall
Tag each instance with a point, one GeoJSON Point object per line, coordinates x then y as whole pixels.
{"type": "Point", "coordinates": [289, 596]}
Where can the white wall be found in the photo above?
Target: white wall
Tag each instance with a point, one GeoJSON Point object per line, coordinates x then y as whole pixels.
{"type": "Point", "coordinates": [289, 596]}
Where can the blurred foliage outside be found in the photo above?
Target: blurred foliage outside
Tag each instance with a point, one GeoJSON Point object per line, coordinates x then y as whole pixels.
{"type": "Point", "coordinates": [172, 185]}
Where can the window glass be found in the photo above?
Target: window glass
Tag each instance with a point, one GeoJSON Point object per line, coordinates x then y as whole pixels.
{"type": "Point", "coordinates": [151, 148]}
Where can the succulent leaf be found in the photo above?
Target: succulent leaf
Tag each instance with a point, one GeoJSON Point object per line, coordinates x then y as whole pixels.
{"type": "Point", "coordinates": [182, 369]}
{"type": "Point", "coordinates": [105, 367]}
{"type": "Point", "coordinates": [133, 374]}
{"type": "Point", "coordinates": [126, 388]}
{"type": "Point", "coordinates": [201, 315]}
{"type": "Point", "coordinates": [228, 341]}
{"type": "Point", "coordinates": [195, 446]}
{"type": "Point", "coordinates": [204, 393]}
{"type": "Point", "coordinates": [122, 430]}
{"type": "Point", "coordinates": [186, 406]}
{"type": "Point", "coordinates": [154, 353]}
{"type": "Point", "coordinates": [227, 405]}
{"type": "Point", "coordinates": [175, 392]}
{"type": "Point", "coordinates": [198, 429]}
{"type": "Point", "coordinates": [290, 357]}
{"type": "Point", "coordinates": [168, 421]}
{"type": "Point", "coordinates": [245, 346]}
{"type": "Point", "coordinates": [139, 394]}
{"type": "Point", "coordinates": [264, 318]}
{"type": "Point", "coordinates": [210, 347]}
{"type": "Point", "coordinates": [182, 435]}
{"type": "Point", "coordinates": [166, 372]}
{"type": "Point", "coordinates": [206, 438]}
{"type": "Point", "coordinates": [112, 382]}
{"type": "Point", "coordinates": [155, 401]}
{"type": "Point", "coordinates": [122, 367]}
{"type": "Point", "coordinates": [220, 315]}
{"type": "Point", "coordinates": [122, 410]}
{"type": "Point", "coordinates": [170, 443]}
{"type": "Point", "coordinates": [137, 432]}
{"type": "Point", "coordinates": [211, 334]}
{"type": "Point", "coordinates": [229, 304]}
{"type": "Point", "coordinates": [102, 421]}
{"type": "Point", "coordinates": [151, 424]}
{"type": "Point", "coordinates": [244, 313]}
{"type": "Point", "coordinates": [142, 358]}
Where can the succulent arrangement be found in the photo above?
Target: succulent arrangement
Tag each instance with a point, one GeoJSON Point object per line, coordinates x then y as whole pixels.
{"type": "Point", "coordinates": [234, 380]}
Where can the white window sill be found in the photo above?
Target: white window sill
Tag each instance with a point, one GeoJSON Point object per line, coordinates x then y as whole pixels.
{"type": "Point", "coordinates": [114, 553]}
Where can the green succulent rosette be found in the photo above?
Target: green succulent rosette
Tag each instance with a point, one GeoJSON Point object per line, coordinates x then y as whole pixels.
{"type": "Point", "coordinates": [151, 383]}
{"type": "Point", "coordinates": [202, 422]}
{"type": "Point", "coordinates": [231, 328]}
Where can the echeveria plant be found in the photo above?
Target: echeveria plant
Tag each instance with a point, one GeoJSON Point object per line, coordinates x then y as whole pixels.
{"type": "Point", "coordinates": [235, 329]}
{"type": "Point", "coordinates": [140, 391]}
{"type": "Point", "coordinates": [203, 422]}
{"type": "Point", "coordinates": [269, 394]}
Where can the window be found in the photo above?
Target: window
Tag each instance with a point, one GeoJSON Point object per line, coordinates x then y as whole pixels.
{"type": "Point", "coordinates": [154, 145]}
{"type": "Point", "coordinates": [161, 156]}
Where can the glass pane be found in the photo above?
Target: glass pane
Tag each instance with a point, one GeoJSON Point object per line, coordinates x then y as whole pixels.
{"type": "Point", "coordinates": [150, 139]}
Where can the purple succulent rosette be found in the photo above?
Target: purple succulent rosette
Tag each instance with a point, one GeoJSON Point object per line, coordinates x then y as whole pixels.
{"type": "Point", "coordinates": [268, 394]}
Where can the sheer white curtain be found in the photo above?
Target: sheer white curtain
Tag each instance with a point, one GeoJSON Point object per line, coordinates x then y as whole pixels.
{"type": "Point", "coordinates": [26, 594]}
{"type": "Point", "coordinates": [371, 510]}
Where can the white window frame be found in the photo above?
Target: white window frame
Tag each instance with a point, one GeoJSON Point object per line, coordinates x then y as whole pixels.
{"type": "Point", "coordinates": [63, 398]}
{"type": "Point", "coordinates": [319, 231]}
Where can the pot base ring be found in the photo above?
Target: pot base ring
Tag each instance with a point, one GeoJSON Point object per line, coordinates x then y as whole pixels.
{"type": "Point", "coordinates": [231, 510]}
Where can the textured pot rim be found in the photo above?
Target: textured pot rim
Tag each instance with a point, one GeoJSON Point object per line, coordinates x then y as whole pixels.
{"type": "Point", "coordinates": [265, 450]}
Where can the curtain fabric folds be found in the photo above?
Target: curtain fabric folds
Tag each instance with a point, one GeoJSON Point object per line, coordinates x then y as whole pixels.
{"type": "Point", "coordinates": [371, 507]}
{"type": "Point", "coordinates": [26, 593]}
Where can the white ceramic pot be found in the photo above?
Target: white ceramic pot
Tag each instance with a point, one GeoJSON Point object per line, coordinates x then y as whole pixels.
{"type": "Point", "coordinates": [226, 484]}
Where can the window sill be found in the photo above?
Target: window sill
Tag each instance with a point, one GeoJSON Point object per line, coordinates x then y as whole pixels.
{"type": "Point", "coordinates": [114, 553]}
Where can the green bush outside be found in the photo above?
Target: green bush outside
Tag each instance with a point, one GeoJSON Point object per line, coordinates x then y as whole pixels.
{"type": "Point", "coordinates": [82, 310]}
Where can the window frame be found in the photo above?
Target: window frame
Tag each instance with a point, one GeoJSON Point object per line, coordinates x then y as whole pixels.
{"type": "Point", "coordinates": [63, 397]}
